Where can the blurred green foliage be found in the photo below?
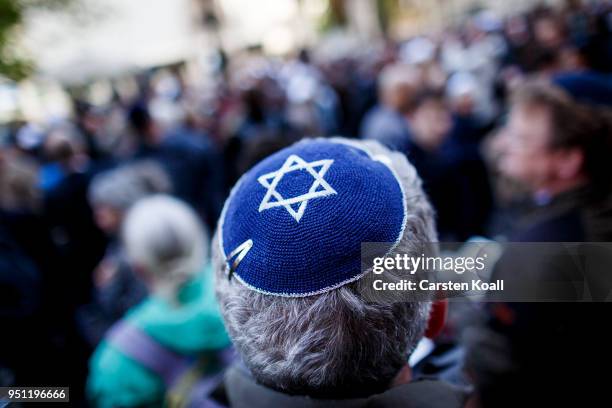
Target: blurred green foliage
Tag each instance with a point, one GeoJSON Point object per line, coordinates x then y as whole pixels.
{"type": "Point", "coordinates": [12, 65]}
{"type": "Point", "coordinates": [335, 16]}
{"type": "Point", "coordinates": [387, 9]}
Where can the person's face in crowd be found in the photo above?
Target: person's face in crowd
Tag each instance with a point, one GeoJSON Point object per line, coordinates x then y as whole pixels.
{"type": "Point", "coordinates": [108, 219]}
{"type": "Point", "coordinates": [548, 33]}
{"type": "Point", "coordinates": [431, 124]}
{"type": "Point", "coordinates": [463, 104]}
{"type": "Point", "coordinates": [526, 155]}
{"type": "Point", "coordinates": [92, 122]}
{"type": "Point", "coordinates": [395, 97]}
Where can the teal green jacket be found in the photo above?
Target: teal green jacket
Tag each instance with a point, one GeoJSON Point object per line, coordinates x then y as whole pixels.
{"type": "Point", "coordinates": [195, 326]}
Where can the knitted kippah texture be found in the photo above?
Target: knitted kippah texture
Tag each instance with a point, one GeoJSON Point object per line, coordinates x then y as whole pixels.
{"type": "Point", "coordinates": [294, 224]}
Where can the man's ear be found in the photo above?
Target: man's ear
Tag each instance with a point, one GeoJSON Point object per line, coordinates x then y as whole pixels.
{"type": "Point", "coordinates": [437, 318]}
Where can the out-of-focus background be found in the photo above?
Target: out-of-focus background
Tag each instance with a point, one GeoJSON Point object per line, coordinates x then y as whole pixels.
{"type": "Point", "coordinates": [103, 102]}
{"type": "Point", "coordinates": [95, 50]}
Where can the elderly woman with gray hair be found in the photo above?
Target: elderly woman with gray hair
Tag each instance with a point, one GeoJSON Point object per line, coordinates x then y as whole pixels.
{"type": "Point", "coordinates": [167, 350]}
{"type": "Point", "coordinates": [116, 287]}
{"type": "Point", "coordinates": [294, 296]}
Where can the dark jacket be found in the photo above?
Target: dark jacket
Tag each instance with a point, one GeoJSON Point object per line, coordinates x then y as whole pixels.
{"type": "Point", "coordinates": [456, 183]}
{"type": "Point", "coordinates": [573, 216]}
{"type": "Point", "coordinates": [551, 264]}
{"type": "Point", "coordinates": [516, 352]}
{"type": "Point", "coordinates": [241, 390]}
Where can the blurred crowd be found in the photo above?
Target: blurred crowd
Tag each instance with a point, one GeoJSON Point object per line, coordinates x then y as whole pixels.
{"type": "Point", "coordinates": [443, 100]}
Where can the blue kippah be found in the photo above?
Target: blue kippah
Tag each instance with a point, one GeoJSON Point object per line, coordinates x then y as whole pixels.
{"type": "Point", "coordinates": [293, 225]}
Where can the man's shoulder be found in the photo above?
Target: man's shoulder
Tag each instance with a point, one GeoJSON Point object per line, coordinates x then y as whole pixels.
{"type": "Point", "coordinates": [426, 393]}
{"type": "Point", "coordinates": [567, 227]}
{"type": "Point", "coordinates": [241, 390]}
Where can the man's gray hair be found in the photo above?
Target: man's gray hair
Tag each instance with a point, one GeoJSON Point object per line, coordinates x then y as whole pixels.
{"type": "Point", "coordinates": [120, 188]}
{"type": "Point", "coordinates": [339, 342]}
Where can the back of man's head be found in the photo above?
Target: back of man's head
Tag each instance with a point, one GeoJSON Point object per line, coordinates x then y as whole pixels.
{"type": "Point", "coordinates": [289, 276]}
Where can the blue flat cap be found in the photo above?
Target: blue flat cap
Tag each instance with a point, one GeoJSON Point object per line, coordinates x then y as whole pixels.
{"type": "Point", "coordinates": [590, 88]}
{"type": "Point", "coordinates": [293, 225]}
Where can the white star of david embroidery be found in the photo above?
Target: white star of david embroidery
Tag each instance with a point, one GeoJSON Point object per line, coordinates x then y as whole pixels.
{"type": "Point", "coordinates": [296, 163]}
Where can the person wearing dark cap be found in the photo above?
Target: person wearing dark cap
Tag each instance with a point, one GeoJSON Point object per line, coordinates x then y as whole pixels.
{"type": "Point", "coordinates": [588, 87]}
{"type": "Point", "coordinates": [292, 291]}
